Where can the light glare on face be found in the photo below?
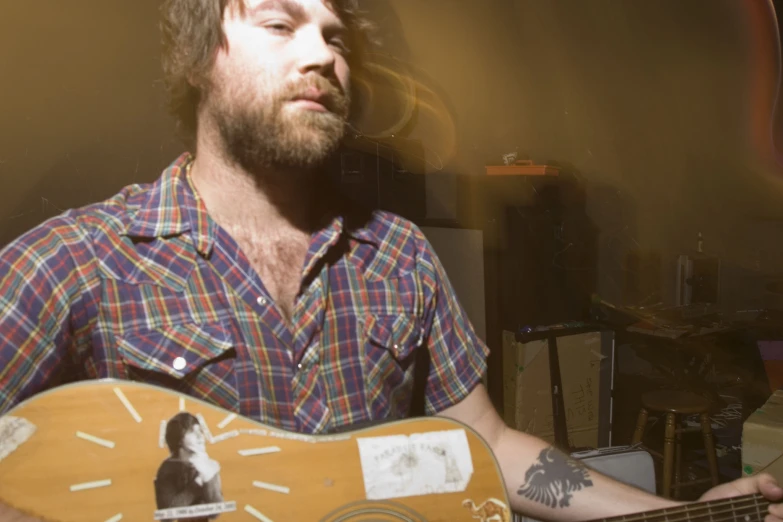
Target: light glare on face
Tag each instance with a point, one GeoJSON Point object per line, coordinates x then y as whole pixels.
{"type": "Point", "coordinates": [193, 440]}
{"type": "Point", "coordinates": [277, 52]}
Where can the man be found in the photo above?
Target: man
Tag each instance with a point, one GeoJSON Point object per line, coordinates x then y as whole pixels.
{"type": "Point", "coordinates": [238, 279]}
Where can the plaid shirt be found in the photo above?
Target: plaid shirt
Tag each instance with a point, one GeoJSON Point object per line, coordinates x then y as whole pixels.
{"type": "Point", "coordinates": [145, 286]}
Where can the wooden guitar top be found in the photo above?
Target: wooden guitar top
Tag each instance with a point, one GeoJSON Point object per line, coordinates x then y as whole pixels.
{"type": "Point", "coordinates": [92, 451]}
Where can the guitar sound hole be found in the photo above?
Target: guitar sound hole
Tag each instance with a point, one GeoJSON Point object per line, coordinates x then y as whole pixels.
{"type": "Point", "coordinates": [374, 511]}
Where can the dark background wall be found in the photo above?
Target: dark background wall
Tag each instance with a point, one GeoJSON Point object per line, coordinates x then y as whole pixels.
{"type": "Point", "coordinates": [650, 104]}
{"type": "Point", "coordinates": [81, 105]}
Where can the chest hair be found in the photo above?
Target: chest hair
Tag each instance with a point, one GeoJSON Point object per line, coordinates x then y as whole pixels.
{"type": "Point", "coordinates": [279, 261]}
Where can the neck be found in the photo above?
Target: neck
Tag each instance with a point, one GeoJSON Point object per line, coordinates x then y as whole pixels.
{"type": "Point", "coordinates": [747, 508]}
{"type": "Point", "coordinates": [262, 198]}
{"type": "Point", "coordinates": [184, 454]}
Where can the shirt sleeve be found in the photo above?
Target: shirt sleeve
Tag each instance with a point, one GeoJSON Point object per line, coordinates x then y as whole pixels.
{"type": "Point", "coordinates": [457, 355]}
{"type": "Point", "coordinates": [40, 284]}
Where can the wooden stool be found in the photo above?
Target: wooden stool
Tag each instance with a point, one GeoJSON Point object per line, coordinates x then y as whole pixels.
{"type": "Point", "coordinates": [675, 403]}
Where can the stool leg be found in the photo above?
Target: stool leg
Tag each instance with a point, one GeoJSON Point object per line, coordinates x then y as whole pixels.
{"type": "Point", "coordinates": [709, 447]}
{"type": "Point", "coordinates": [641, 423]}
{"type": "Point", "coordinates": [677, 464]}
{"type": "Point", "coordinates": [668, 454]}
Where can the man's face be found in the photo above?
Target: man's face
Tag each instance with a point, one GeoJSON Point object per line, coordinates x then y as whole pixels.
{"type": "Point", "coordinates": [279, 92]}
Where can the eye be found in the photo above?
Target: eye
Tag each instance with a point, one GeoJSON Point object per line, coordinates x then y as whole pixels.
{"type": "Point", "coordinates": [278, 28]}
{"type": "Point", "coordinates": [339, 42]}
{"type": "Point", "coordinates": [340, 45]}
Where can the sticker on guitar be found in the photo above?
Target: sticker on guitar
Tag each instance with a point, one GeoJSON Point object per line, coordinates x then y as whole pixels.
{"type": "Point", "coordinates": [491, 510]}
{"type": "Point", "coordinates": [187, 484]}
{"type": "Point", "coordinates": [399, 466]}
{"type": "Point", "coordinates": [14, 431]}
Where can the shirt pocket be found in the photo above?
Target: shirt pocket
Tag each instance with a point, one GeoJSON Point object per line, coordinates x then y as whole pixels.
{"type": "Point", "coordinates": [196, 359]}
{"type": "Point", "coordinates": [389, 355]}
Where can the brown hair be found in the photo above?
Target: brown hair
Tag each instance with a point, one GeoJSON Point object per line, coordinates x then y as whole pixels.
{"type": "Point", "coordinates": [192, 33]}
{"type": "Point", "coordinates": [176, 428]}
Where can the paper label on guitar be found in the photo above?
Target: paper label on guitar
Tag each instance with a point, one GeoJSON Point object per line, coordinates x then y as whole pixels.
{"type": "Point", "coordinates": [422, 463]}
{"type": "Point", "coordinates": [14, 431]}
{"type": "Point", "coordinates": [204, 510]}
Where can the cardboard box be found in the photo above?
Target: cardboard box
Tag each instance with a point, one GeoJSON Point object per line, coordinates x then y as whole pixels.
{"type": "Point", "coordinates": [775, 468]}
{"type": "Point", "coordinates": [586, 366]}
{"type": "Point", "coordinates": [762, 435]}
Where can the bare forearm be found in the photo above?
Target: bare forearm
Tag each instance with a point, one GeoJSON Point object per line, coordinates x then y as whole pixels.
{"type": "Point", "coordinates": [547, 484]}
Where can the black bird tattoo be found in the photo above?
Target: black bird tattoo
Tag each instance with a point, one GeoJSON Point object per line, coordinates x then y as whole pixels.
{"type": "Point", "coordinates": [554, 478]}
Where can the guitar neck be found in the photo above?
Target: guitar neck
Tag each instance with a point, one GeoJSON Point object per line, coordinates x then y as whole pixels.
{"type": "Point", "coordinates": [748, 508]}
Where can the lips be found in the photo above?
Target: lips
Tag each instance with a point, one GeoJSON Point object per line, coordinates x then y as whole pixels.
{"type": "Point", "coordinates": [315, 96]}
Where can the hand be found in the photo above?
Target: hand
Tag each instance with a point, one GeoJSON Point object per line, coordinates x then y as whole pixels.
{"type": "Point", "coordinates": [762, 483]}
{"type": "Point", "coordinates": [205, 467]}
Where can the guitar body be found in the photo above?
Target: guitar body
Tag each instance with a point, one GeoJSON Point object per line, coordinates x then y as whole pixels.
{"type": "Point", "coordinates": [98, 450]}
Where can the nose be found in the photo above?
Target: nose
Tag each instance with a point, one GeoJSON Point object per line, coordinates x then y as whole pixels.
{"type": "Point", "coordinates": [315, 54]}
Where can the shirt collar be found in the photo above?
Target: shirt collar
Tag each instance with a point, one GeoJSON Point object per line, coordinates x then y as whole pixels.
{"type": "Point", "coordinates": [172, 207]}
{"type": "Point", "coordinates": [354, 223]}
{"type": "Point", "coordinates": [363, 233]}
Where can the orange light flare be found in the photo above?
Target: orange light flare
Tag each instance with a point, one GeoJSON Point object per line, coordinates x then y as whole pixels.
{"type": "Point", "coordinates": [400, 101]}
{"type": "Point", "coordinates": [764, 83]}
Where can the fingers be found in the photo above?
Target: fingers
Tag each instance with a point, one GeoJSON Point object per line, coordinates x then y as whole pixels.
{"type": "Point", "coordinates": [768, 486]}
{"type": "Point", "coordinates": [775, 513]}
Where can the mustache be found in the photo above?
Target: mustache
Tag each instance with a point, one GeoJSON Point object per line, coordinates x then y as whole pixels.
{"type": "Point", "coordinates": [332, 96]}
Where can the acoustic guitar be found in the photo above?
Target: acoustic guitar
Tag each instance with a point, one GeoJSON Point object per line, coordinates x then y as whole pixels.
{"type": "Point", "coordinates": [102, 451]}
{"type": "Point", "coordinates": [108, 451]}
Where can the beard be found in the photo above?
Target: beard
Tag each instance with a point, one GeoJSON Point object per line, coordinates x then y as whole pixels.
{"type": "Point", "coordinates": [260, 132]}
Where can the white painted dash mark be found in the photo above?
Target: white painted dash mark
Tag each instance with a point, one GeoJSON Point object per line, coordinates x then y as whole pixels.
{"type": "Point", "coordinates": [260, 433]}
{"type": "Point", "coordinates": [257, 514]}
{"type": "Point", "coordinates": [162, 434]}
{"type": "Point", "coordinates": [91, 485]}
{"type": "Point", "coordinates": [225, 422]}
{"type": "Point", "coordinates": [182, 404]}
{"type": "Point", "coordinates": [115, 518]}
{"type": "Point", "coordinates": [225, 436]}
{"type": "Point", "coordinates": [271, 487]}
{"type": "Point", "coordinates": [127, 404]}
{"type": "Point", "coordinates": [205, 427]}
{"type": "Point", "coordinates": [95, 440]}
{"type": "Point", "coordinates": [258, 451]}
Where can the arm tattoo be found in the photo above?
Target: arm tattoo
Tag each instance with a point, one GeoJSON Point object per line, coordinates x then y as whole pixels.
{"type": "Point", "coordinates": [553, 479]}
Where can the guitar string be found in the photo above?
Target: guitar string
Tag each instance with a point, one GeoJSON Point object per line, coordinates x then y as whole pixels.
{"type": "Point", "coordinates": [733, 504]}
{"type": "Point", "coordinates": [711, 514]}
{"type": "Point", "coordinates": [718, 516]}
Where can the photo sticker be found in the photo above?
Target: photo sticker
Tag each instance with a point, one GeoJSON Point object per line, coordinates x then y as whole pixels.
{"type": "Point", "coordinates": [187, 484]}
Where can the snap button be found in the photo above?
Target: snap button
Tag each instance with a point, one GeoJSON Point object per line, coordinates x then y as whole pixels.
{"type": "Point", "coordinates": [261, 300]}
{"type": "Point", "coordinates": [180, 363]}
